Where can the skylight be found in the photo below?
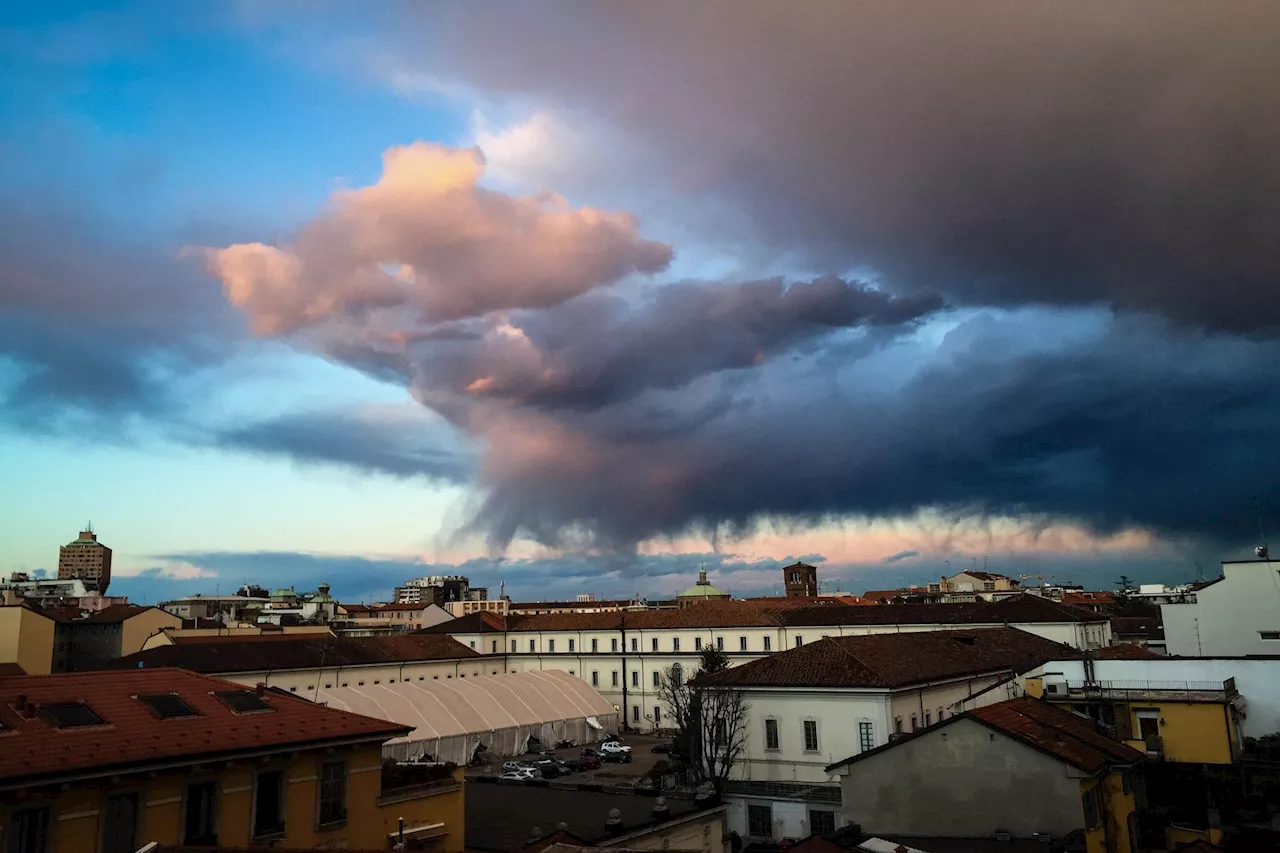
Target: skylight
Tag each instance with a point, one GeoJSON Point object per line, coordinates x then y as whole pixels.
{"type": "Point", "coordinates": [66, 715]}
{"type": "Point", "coordinates": [168, 706]}
{"type": "Point", "coordinates": [242, 701]}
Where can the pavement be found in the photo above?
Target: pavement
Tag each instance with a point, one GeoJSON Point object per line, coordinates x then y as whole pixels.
{"type": "Point", "coordinates": [642, 761]}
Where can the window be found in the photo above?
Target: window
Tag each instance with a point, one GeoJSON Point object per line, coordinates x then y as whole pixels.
{"type": "Point", "coordinates": [799, 640]}
{"type": "Point", "coordinates": [988, 585]}
{"type": "Point", "coordinates": [1148, 724]}
{"type": "Point", "coordinates": [200, 818]}
{"type": "Point", "coordinates": [595, 678]}
{"type": "Point", "coordinates": [657, 678]}
{"type": "Point", "coordinates": [657, 714]}
{"type": "Point", "coordinates": [167, 706]}
{"type": "Point", "coordinates": [914, 725]}
{"type": "Point", "coordinates": [571, 645]}
{"type": "Point", "coordinates": [268, 804]}
{"type": "Point", "coordinates": [928, 718]}
{"type": "Point", "coordinates": [532, 645]}
{"type": "Point", "coordinates": [595, 645]}
{"type": "Point", "coordinates": [677, 674]}
{"type": "Point", "coordinates": [655, 644]}
{"type": "Point", "coordinates": [615, 678]}
{"type": "Point", "coordinates": [493, 647]}
{"type": "Point", "coordinates": [866, 736]}
{"type": "Point", "coordinates": [473, 644]}
{"type": "Point", "coordinates": [613, 644]}
{"type": "Point", "coordinates": [635, 644]}
{"type": "Point", "coordinates": [513, 647]}
{"type": "Point", "coordinates": [759, 821]}
{"type": "Point", "coordinates": [551, 645]}
{"type": "Point", "coordinates": [1269, 635]}
{"type": "Point", "coordinates": [742, 644]}
{"type": "Point", "coordinates": [822, 822]}
{"type": "Point", "coordinates": [697, 644]}
{"type": "Point", "coordinates": [333, 792]}
{"type": "Point", "coordinates": [244, 701]}
{"type": "Point", "coordinates": [720, 644]}
{"type": "Point", "coordinates": [120, 824]}
{"type": "Point", "coordinates": [770, 733]}
{"type": "Point", "coordinates": [810, 735]}
{"type": "Point", "coordinates": [675, 644]}
{"type": "Point", "coordinates": [635, 678]}
{"type": "Point", "coordinates": [30, 830]}
{"type": "Point", "coordinates": [768, 642]}
{"type": "Point", "coordinates": [939, 715]}
{"type": "Point", "coordinates": [1092, 813]}
{"type": "Point", "coordinates": [67, 715]}
{"type": "Point", "coordinates": [635, 713]}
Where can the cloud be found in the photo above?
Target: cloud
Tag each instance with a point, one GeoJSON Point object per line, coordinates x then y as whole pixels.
{"type": "Point", "coordinates": [900, 556]}
{"type": "Point", "coordinates": [1043, 152]}
{"type": "Point", "coordinates": [427, 236]}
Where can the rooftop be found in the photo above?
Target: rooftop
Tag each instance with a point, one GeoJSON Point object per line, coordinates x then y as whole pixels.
{"type": "Point", "coordinates": [110, 613]}
{"type": "Point", "coordinates": [105, 722]}
{"type": "Point", "coordinates": [293, 651]}
{"type": "Point", "coordinates": [480, 622]}
{"type": "Point", "coordinates": [896, 660]}
{"type": "Point", "coordinates": [1068, 737]}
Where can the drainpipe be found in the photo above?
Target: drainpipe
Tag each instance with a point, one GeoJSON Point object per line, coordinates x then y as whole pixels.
{"type": "Point", "coordinates": [626, 726]}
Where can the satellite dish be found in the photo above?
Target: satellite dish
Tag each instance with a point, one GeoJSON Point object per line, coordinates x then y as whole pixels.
{"type": "Point", "coordinates": [1261, 551]}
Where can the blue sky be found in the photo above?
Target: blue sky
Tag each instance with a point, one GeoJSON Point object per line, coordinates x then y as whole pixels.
{"type": "Point", "coordinates": [770, 345]}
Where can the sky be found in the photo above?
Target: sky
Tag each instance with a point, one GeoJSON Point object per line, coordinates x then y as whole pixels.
{"type": "Point", "coordinates": [586, 297]}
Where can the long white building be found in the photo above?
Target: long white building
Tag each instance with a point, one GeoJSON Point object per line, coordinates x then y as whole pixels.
{"type": "Point", "coordinates": [623, 654]}
{"type": "Point", "coordinates": [1238, 614]}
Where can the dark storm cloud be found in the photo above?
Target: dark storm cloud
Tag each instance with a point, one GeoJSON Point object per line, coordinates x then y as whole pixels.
{"type": "Point", "coordinates": [900, 556]}
{"type": "Point", "coordinates": [399, 448]}
{"type": "Point", "coordinates": [1006, 152]}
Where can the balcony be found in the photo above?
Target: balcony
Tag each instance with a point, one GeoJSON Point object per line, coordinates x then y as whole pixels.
{"type": "Point", "coordinates": [1149, 691]}
{"type": "Point", "coordinates": [402, 782]}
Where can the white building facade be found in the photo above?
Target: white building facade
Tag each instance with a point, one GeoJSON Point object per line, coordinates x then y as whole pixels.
{"type": "Point", "coordinates": [1237, 615]}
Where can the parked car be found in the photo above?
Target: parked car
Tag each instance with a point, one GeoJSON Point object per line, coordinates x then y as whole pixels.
{"type": "Point", "coordinates": [614, 747]}
{"type": "Point", "coordinates": [588, 752]}
{"type": "Point", "coordinates": [661, 748]}
{"type": "Point", "coordinates": [517, 766]}
{"type": "Point", "coordinates": [525, 775]}
{"type": "Point", "coordinates": [551, 767]}
{"type": "Point", "coordinates": [587, 762]}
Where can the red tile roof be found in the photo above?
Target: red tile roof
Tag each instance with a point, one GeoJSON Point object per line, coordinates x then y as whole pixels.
{"type": "Point", "coordinates": [132, 736]}
{"type": "Point", "coordinates": [255, 653]}
{"type": "Point", "coordinates": [1101, 597]}
{"type": "Point", "coordinates": [110, 613]}
{"type": "Point", "coordinates": [479, 622]}
{"type": "Point", "coordinates": [897, 660]}
{"type": "Point", "coordinates": [7, 669]}
{"type": "Point", "coordinates": [1125, 651]}
{"type": "Point", "coordinates": [1062, 734]}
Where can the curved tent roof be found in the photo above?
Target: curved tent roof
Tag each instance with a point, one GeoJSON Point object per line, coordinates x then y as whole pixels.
{"type": "Point", "coordinates": [460, 706]}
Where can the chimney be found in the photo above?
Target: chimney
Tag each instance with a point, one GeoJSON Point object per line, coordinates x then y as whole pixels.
{"type": "Point", "coordinates": [661, 811]}
{"type": "Point", "coordinates": [29, 710]}
{"type": "Point", "coordinates": [614, 826]}
{"type": "Point", "coordinates": [19, 702]}
{"type": "Point", "coordinates": [261, 689]}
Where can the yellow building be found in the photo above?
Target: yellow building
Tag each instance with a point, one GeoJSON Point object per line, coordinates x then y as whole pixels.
{"type": "Point", "coordinates": [107, 762]}
{"type": "Point", "coordinates": [1188, 721]}
{"type": "Point", "coordinates": [26, 638]}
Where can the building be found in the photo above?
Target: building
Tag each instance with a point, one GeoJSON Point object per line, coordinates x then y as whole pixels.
{"type": "Point", "coordinates": [1238, 614]}
{"type": "Point", "coordinates": [112, 761]}
{"type": "Point", "coordinates": [477, 605]}
{"type": "Point", "coordinates": [306, 663]}
{"type": "Point", "coordinates": [52, 592]}
{"type": "Point", "coordinates": [87, 559]}
{"type": "Point", "coordinates": [623, 654]}
{"type": "Point", "coordinates": [26, 638]}
{"type": "Point", "coordinates": [86, 640]}
{"type": "Point", "coordinates": [169, 636]}
{"type": "Point", "coordinates": [226, 609]}
{"type": "Point", "coordinates": [1022, 767]}
{"type": "Point", "coordinates": [438, 589]}
{"type": "Point", "coordinates": [1144, 631]}
{"type": "Point", "coordinates": [961, 588]}
{"type": "Point", "coordinates": [396, 618]}
{"type": "Point", "coordinates": [800, 580]}
{"type": "Point", "coordinates": [581, 605]}
{"type": "Point", "coordinates": [544, 820]}
{"type": "Point", "coordinates": [809, 706]}
{"type": "Point", "coordinates": [701, 591]}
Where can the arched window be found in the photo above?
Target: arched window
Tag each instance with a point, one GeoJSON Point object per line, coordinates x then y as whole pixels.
{"type": "Point", "coordinates": [677, 674]}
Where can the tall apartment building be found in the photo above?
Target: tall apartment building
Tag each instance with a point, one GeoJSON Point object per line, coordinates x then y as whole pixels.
{"type": "Point", "coordinates": [437, 589]}
{"type": "Point", "coordinates": [87, 559]}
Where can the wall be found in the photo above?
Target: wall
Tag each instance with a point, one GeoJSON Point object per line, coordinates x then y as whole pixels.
{"type": "Point", "coordinates": [145, 624]}
{"type": "Point", "coordinates": [1257, 680]}
{"type": "Point", "coordinates": [837, 713]}
{"type": "Point", "coordinates": [1196, 733]}
{"type": "Point", "coordinates": [77, 813]}
{"type": "Point", "coordinates": [1228, 615]}
{"type": "Point", "coordinates": [26, 638]}
{"type": "Point", "coordinates": [957, 780]}
{"type": "Point", "coordinates": [302, 681]}
{"type": "Point", "coordinates": [704, 831]}
{"type": "Point", "coordinates": [935, 700]}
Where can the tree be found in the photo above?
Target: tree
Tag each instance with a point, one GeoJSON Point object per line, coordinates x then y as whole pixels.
{"type": "Point", "coordinates": [710, 721]}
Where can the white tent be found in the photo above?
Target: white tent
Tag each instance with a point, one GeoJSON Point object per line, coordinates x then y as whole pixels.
{"type": "Point", "coordinates": [450, 717]}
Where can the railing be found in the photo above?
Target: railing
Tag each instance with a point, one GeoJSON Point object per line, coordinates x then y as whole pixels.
{"type": "Point", "coordinates": [1186, 691]}
{"type": "Point", "coordinates": [407, 781]}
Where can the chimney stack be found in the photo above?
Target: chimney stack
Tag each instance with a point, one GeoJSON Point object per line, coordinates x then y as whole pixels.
{"type": "Point", "coordinates": [661, 811]}
{"type": "Point", "coordinates": [261, 689]}
{"type": "Point", "coordinates": [19, 702]}
{"type": "Point", "coordinates": [614, 826]}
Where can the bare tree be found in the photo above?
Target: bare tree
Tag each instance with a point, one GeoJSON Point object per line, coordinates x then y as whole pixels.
{"type": "Point", "coordinates": [710, 721]}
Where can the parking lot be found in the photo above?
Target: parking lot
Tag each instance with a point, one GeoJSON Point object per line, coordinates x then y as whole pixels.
{"type": "Point", "coordinates": [642, 760]}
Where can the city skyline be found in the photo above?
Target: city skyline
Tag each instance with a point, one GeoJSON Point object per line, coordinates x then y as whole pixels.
{"type": "Point", "coordinates": [368, 294]}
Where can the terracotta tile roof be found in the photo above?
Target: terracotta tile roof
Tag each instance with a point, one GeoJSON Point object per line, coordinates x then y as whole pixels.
{"type": "Point", "coordinates": [987, 576]}
{"type": "Point", "coordinates": [897, 660]}
{"type": "Point", "coordinates": [887, 594]}
{"type": "Point", "coordinates": [571, 605]}
{"type": "Point", "coordinates": [1147, 627]}
{"type": "Point", "coordinates": [7, 669]}
{"type": "Point", "coordinates": [110, 613]}
{"type": "Point", "coordinates": [480, 622]}
{"type": "Point", "coordinates": [1022, 608]}
{"type": "Point", "coordinates": [131, 735]}
{"type": "Point", "coordinates": [294, 651]}
{"type": "Point", "coordinates": [1062, 734]}
{"type": "Point", "coordinates": [1101, 597]}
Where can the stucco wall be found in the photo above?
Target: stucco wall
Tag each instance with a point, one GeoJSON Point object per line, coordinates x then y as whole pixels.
{"type": "Point", "coordinates": [1228, 615]}
{"type": "Point", "coordinates": [26, 638]}
{"type": "Point", "coordinates": [138, 628]}
{"type": "Point", "coordinates": [961, 780]}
